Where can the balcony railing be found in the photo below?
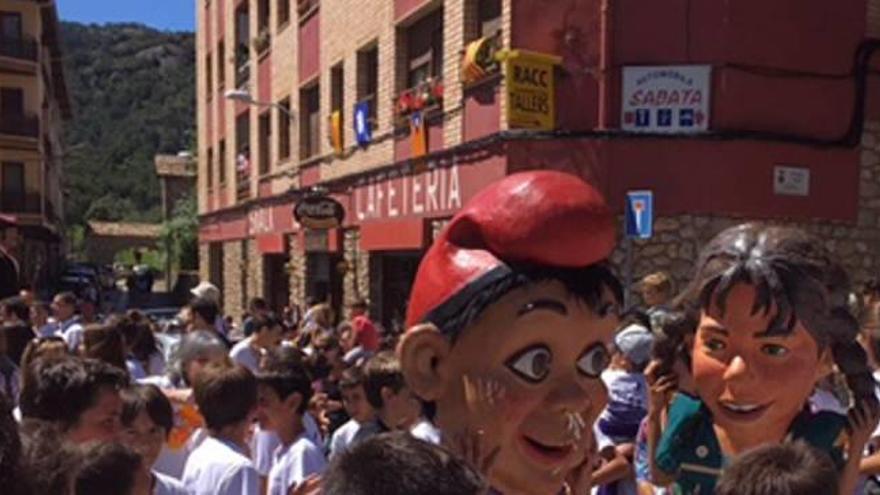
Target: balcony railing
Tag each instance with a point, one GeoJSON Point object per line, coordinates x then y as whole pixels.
{"type": "Point", "coordinates": [20, 202]}
{"type": "Point", "coordinates": [24, 48]}
{"type": "Point", "coordinates": [242, 66]}
{"type": "Point", "coordinates": [243, 186]}
{"type": "Point", "coordinates": [26, 125]}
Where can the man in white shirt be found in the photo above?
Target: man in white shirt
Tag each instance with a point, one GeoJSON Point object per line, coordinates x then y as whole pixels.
{"type": "Point", "coordinates": [226, 396]}
{"type": "Point", "coordinates": [284, 393]}
{"type": "Point", "coordinates": [69, 327]}
{"type": "Point", "coordinates": [266, 335]}
{"type": "Point", "coordinates": [355, 401]}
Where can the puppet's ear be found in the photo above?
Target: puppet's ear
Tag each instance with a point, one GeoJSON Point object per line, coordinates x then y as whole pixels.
{"type": "Point", "coordinates": [424, 354]}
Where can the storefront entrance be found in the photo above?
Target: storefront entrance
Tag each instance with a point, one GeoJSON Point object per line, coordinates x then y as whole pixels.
{"type": "Point", "coordinates": [391, 277]}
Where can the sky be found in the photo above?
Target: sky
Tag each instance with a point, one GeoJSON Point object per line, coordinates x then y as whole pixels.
{"type": "Point", "coordinates": [168, 15]}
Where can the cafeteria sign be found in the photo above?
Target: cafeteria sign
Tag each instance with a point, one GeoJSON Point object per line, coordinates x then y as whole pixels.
{"type": "Point", "coordinates": [319, 212]}
{"type": "Point", "coordinates": [666, 98]}
{"type": "Point", "coordinates": [531, 91]}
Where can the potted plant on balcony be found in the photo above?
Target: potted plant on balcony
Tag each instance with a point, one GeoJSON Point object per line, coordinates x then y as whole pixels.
{"type": "Point", "coordinates": [261, 40]}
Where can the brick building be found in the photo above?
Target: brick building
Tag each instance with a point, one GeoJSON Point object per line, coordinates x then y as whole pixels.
{"type": "Point", "coordinates": [33, 107]}
{"type": "Point", "coordinates": [725, 110]}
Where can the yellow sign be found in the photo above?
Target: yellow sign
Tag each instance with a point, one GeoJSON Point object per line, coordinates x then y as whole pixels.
{"type": "Point", "coordinates": [531, 91]}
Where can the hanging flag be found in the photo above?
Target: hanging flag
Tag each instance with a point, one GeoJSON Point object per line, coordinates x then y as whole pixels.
{"type": "Point", "coordinates": [418, 134]}
{"type": "Point", "coordinates": [336, 131]}
{"type": "Point", "coordinates": [362, 130]}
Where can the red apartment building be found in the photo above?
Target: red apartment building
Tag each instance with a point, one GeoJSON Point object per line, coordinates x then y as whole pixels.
{"type": "Point", "coordinates": [724, 110]}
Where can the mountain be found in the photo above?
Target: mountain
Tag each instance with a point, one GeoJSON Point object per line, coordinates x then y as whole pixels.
{"type": "Point", "coordinates": [133, 95]}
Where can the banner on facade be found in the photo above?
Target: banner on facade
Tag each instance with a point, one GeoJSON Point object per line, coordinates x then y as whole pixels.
{"type": "Point", "coordinates": [531, 90]}
{"type": "Point", "coordinates": [418, 134]}
{"type": "Point", "coordinates": [362, 131]}
{"type": "Point", "coordinates": [666, 99]}
{"type": "Point", "coordinates": [336, 131]}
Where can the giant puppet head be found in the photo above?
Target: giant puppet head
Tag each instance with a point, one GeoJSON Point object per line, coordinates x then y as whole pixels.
{"type": "Point", "coordinates": [509, 317]}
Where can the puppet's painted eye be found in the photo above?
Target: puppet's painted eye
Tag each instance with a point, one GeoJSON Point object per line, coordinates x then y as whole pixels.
{"type": "Point", "coordinates": [531, 364]}
{"type": "Point", "coordinates": [715, 345]}
{"type": "Point", "coordinates": [774, 350]}
{"type": "Point", "coordinates": [593, 362]}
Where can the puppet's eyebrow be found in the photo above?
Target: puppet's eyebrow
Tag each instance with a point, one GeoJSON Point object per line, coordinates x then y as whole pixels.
{"type": "Point", "coordinates": [715, 328]}
{"type": "Point", "coordinates": [545, 304]}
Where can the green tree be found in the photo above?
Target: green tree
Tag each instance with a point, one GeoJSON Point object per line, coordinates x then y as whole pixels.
{"type": "Point", "coordinates": [180, 235]}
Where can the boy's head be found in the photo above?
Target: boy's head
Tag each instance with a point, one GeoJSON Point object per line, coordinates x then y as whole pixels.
{"type": "Point", "coordinates": [204, 312]}
{"type": "Point", "coordinates": [387, 392]}
{"type": "Point", "coordinates": [107, 468]}
{"type": "Point", "coordinates": [656, 288]}
{"type": "Point", "coordinates": [226, 394]}
{"type": "Point", "coordinates": [633, 347]}
{"type": "Point", "coordinates": [257, 306]}
{"type": "Point", "coordinates": [284, 387]}
{"type": "Point", "coordinates": [399, 464]}
{"type": "Point", "coordinates": [509, 320]}
{"type": "Point", "coordinates": [80, 396]}
{"type": "Point", "coordinates": [267, 330]}
{"type": "Point", "coordinates": [147, 419]}
{"type": "Point", "coordinates": [359, 307]}
{"type": "Point", "coordinates": [353, 395]}
{"type": "Point", "coordinates": [14, 310]}
{"type": "Point", "coordinates": [780, 469]}
{"type": "Point", "coordinates": [64, 306]}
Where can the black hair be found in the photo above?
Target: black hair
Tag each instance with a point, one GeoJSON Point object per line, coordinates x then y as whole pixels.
{"type": "Point", "coordinates": [107, 468]}
{"type": "Point", "coordinates": [352, 377]}
{"type": "Point", "coordinates": [137, 332]}
{"type": "Point", "coordinates": [380, 371]}
{"type": "Point", "coordinates": [586, 284]}
{"type": "Point", "coordinates": [68, 298]}
{"type": "Point", "coordinates": [10, 445]}
{"type": "Point", "coordinates": [17, 306]}
{"type": "Point", "coordinates": [49, 463]}
{"type": "Point", "coordinates": [791, 468]}
{"type": "Point", "coordinates": [60, 390]}
{"type": "Point", "coordinates": [205, 308]}
{"type": "Point", "coordinates": [257, 304]}
{"type": "Point", "coordinates": [284, 370]}
{"type": "Point", "coordinates": [150, 399]}
{"type": "Point", "coordinates": [266, 321]}
{"type": "Point", "coordinates": [225, 393]}
{"type": "Point", "coordinates": [400, 464]}
{"type": "Point", "coordinates": [793, 274]}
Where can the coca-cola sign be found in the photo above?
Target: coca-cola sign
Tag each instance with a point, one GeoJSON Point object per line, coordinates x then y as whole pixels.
{"type": "Point", "coordinates": [319, 212]}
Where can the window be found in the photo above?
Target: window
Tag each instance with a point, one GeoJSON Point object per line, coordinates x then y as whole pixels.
{"type": "Point", "coordinates": [13, 186]}
{"type": "Point", "coordinates": [265, 141]}
{"type": "Point", "coordinates": [262, 14]}
{"type": "Point", "coordinates": [336, 88]}
{"type": "Point", "coordinates": [368, 79]}
{"type": "Point", "coordinates": [284, 129]}
{"type": "Point", "coordinates": [425, 49]}
{"type": "Point", "coordinates": [221, 64]}
{"type": "Point", "coordinates": [209, 175]}
{"type": "Point", "coordinates": [209, 76]}
{"type": "Point", "coordinates": [310, 108]}
{"type": "Point", "coordinates": [11, 102]}
{"type": "Point", "coordinates": [283, 12]}
{"type": "Point", "coordinates": [10, 26]}
{"type": "Point", "coordinates": [221, 161]}
{"type": "Point", "coordinates": [242, 35]}
{"type": "Point", "coordinates": [243, 155]}
{"type": "Point", "coordinates": [489, 17]}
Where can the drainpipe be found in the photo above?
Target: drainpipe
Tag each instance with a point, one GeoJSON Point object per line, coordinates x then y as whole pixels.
{"type": "Point", "coordinates": [606, 50]}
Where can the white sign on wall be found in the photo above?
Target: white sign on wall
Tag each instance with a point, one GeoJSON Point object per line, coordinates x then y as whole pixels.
{"type": "Point", "coordinates": [666, 98]}
{"type": "Point", "coordinates": [791, 181]}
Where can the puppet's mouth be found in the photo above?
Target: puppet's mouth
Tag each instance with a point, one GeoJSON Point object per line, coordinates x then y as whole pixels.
{"type": "Point", "coordinates": [743, 410]}
{"type": "Point", "coordinates": [546, 454]}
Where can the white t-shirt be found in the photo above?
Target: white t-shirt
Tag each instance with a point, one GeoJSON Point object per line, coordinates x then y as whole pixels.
{"type": "Point", "coordinates": [265, 442]}
{"type": "Point", "coordinates": [342, 437]}
{"type": "Point", "coordinates": [293, 464]}
{"type": "Point", "coordinates": [217, 467]}
{"type": "Point", "coordinates": [72, 333]}
{"type": "Point", "coordinates": [166, 485]}
{"type": "Point", "coordinates": [155, 366]}
{"type": "Point", "coordinates": [172, 462]}
{"type": "Point", "coordinates": [244, 354]}
{"type": "Point", "coordinates": [424, 430]}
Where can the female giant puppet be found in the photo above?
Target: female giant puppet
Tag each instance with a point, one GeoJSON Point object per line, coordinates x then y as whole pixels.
{"type": "Point", "coordinates": [768, 317]}
{"type": "Point", "coordinates": [509, 318]}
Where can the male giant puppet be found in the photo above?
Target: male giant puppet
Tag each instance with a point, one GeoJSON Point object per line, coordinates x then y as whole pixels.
{"type": "Point", "coordinates": [508, 321]}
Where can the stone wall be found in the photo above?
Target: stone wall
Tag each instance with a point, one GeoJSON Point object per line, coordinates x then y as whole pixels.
{"type": "Point", "coordinates": [356, 282]}
{"type": "Point", "coordinates": [232, 277]}
{"type": "Point", "coordinates": [677, 240]}
{"type": "Point", "coordinates": [296, 268]}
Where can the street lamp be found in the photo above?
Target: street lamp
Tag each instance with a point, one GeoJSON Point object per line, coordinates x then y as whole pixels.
{"type": "Point", "coordinates": [244, 96]}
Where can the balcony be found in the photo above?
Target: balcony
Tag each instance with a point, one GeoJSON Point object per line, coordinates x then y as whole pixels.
{"type": "Point", "coordinates": [12, 202]}
{"type": "Point", "coordinates": [243, 186]}
{"type": "Point", "coordinates": [242, 67]}
{"type": "Point", "coordinates": [25, 125]}
{"type": "Point", "coordinates": [24, 48]}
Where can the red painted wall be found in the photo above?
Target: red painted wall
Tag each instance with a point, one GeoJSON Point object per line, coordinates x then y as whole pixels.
{"type": "Point", "coordinates": [394, 235]}
{"type": "Point", "coordinates": [722, 177]}
{"type": "Point", "coordinates": [482, 111]}
{"type": "Point", "coordinates": [310, 175]}
{"type": "Point", "coordinates": [309, 47]}
{"type": "Point", "coordinates": [221, 17]}
{"type": "Point", "coordinates": [403, 8]}
{"type": "Point", "coordinates": [209, 31]}
{"type": "Point", "coordinates": [264, 79]}
{"type": "Point", "coordinates": [209, 121]}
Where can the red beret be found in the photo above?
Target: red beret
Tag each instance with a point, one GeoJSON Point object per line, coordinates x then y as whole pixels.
{"type": "Point", "coordinates": [543, 218]}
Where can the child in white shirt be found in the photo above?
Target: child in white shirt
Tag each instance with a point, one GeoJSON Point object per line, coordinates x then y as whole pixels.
{"type": "Point", "coordinates": [285, 389]}
{"type": "Point", "coordinates": [227, 396]}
